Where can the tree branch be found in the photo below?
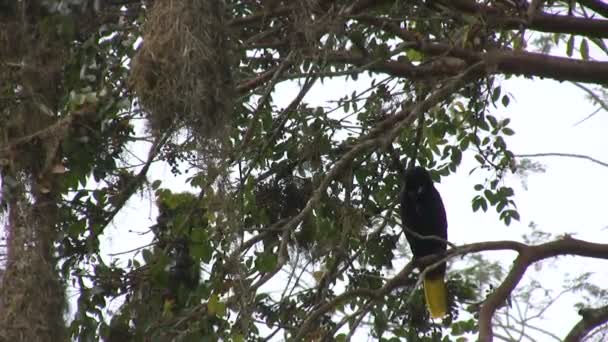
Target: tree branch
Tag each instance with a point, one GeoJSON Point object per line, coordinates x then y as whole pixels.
{"type": "Point", "coordinates": [378, 135]}
{"type": "Point", "coordinates": [591, 319]}
{"type": "Point", "coordinates": [557, 154]}
{"type": "Point", "coordinates": [498, 61]}
{"type": "Point", "coordinates": [544, 22]}
{"type": "Point", "coordinates": [603, 104]}
{"type": "Point", "coordinates": [551, 23]}
{"type": "Point", "coordinates": [384, 132]}
{"type": "Point", "coordinates": [598, 6]}
{"type": "Point", "coordinates": [528, 256]}
{"type": "Point", "coordinates": [136, 182]}
{"type": "Point", "coordinates": [252, 83]}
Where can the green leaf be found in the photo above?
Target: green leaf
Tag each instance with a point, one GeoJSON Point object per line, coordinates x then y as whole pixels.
{"type": "Point", "coordinates": [464, 143]}
{"type": "Point", "coordinates": [215, 307]}
{"type": "Point", "coordinates": [506, 191]}
{"type": "Point", "coordinates": [505, 101]}
{"type": "Point", "coordinates": [77, 228]}
{"type": "Point", "coordinates": [501, 206]}
{"type": "Point", "coordinates": [518, 43]}
{"type": "Point", "coordinates": [156, 184]}
{"type": "Point", "coordinates": [584, 48]}
{"type": "Point", "coordinates": [147, 255]}
{"type": "Point", "coordinates": [479, 202]}
{"type": "Point", "coordinates": [382, 51]}
{"type": "Point", "coordinates": [492, 120]}
{"type": "Point", "coordinates": [414, 55]}
{"type": "Point", "coordinates": [340, 338]}
{"type": "Point", "coordinates": [556, 37]}
{"type": "Point", "coordinates": [514, 214]}
{"type": "Point", "coordinates": [238, 338]}
{"type": "Point", "coordinates": [484, 205]}
{"type": "Point", "coordinates": [456, 156]}
{"type": "Point", "coordinates": [266, 262]}
{"type": "Point", "coordinates": [475, 205]}
{"type": "Point", "coordinates": [496, 94]}
{"type": "Point", "coordinates": [508, 131]}
{"type": "Point", "coordinates": [483, 125]}
{"type": "Point", "coordinates": [570, 46]}
{"type": "Point", "coordinates": [201, 248]}
{"type": "Point", "coordinates": [490, 196]}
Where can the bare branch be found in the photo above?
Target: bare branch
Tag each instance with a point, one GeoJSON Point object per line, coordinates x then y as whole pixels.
{"type": "Point", "coordinates": [265, 96]}
{"type": "Point", "coordinates": [557, 154]}
{"type": "Point", "coordinates": [528, 256]}
{"type": "Point", "coordinates": [250, 84]}
{"type": "Point", "coordinates": [136, 182]}
{"type": "Point", "coordinates": [602, 104]}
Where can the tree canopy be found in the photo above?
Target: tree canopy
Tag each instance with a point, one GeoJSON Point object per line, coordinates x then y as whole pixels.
{"type": "Point", "coordinates": [291, 230]}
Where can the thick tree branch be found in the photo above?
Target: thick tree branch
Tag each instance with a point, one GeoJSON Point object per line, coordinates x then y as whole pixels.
{"type": "Point", "coordinates": [541, 65]}
{"type": "Point", "coordinates": [505, 62]}
{"type": "Point", "coordinates": [528, 256]}
{"type": "Point", "coordinates": [591, 319]}
{"type": "Point", "coordinates": [498, 61]}
{"type": "Point", "coordinates": [544, 22]}
{"type": "Point", "coordinates": [551, 23]}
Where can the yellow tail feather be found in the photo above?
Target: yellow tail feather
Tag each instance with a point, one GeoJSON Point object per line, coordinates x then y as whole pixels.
{"type": "Point", "coordinates": [435, 294]}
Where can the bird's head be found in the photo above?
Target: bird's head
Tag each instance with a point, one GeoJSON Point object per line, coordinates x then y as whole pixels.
{"type": "Point", "coordinates": [417, 181]}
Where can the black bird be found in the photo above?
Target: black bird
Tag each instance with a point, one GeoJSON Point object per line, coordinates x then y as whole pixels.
{"type": "Point", "coordinates": [422, 212]}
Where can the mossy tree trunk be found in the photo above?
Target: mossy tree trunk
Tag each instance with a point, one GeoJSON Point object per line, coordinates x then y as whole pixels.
{"type": "Point", "coordinates": [32, 295]}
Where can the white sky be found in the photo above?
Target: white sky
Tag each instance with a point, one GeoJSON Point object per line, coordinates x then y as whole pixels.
{"type": "Point", "coordinates": [570, 197]}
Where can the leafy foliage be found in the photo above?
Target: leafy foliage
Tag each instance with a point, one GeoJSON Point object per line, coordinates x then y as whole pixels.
{"type": "Point", "coordinates": [299, 195]}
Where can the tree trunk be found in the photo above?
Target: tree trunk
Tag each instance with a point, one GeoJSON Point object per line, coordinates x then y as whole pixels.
{"type": "Point", "coordinates": [32, 299]}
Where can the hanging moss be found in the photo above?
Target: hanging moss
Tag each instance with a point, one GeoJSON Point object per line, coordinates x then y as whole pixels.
{"type": "Point", "coordinates": [181, 72]}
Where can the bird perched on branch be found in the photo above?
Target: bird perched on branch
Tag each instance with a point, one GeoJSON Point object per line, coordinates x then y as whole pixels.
{"type": "Point", "coordinates": [422, 212]}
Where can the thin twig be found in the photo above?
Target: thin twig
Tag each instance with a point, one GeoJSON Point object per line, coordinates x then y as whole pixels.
{"type": "Point", "coordinates": [558, 154]}
{"type": "Point", "coordinates": [265, 96]}
{"type": "Point", "coordinates": [603, 105]}
{"type": "Point", "coordinates": [132, 250]}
